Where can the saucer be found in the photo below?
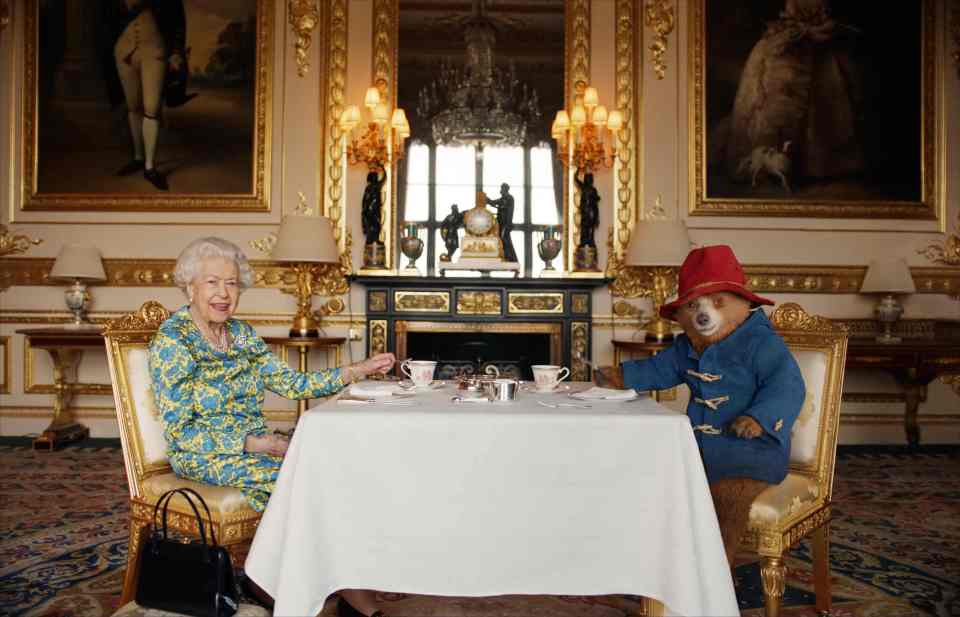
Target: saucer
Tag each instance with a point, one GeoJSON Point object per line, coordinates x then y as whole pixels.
{"type": "Point", "coordinates": [409, 386]}
{"type": "Point", "coordinates": [557, 387]}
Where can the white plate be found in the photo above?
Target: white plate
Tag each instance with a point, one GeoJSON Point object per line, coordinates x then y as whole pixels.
{"type": "Point", "coordinates": [408, 386]}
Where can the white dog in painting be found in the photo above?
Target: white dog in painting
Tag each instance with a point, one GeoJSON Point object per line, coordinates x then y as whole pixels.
{"type": "Point", "coordinates": [768, 160]}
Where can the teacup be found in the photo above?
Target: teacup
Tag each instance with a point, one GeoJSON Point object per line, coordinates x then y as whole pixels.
{"type": "Point", "coordinates": [547, 376]}
{"type": "Point", "coordinates": [420, 372]}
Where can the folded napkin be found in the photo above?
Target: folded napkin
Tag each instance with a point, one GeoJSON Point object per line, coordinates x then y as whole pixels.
{"type": "Point", "coordinates": [372, 389]}
{"type": "Point", "coordinates": [604, 394]}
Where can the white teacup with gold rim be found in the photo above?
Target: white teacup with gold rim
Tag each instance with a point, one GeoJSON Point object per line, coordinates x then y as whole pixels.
{"type": "Point", "coordinates": [547, 377]}
{"type": "Point", "coordinates": [420, 372]}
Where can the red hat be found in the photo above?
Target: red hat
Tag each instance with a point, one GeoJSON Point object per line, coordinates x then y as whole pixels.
{"type": "Point", "coordinates": [708, 270]}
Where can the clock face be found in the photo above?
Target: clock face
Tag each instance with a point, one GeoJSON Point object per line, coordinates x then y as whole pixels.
{"type": "Point", "coordinates": [478, 221]}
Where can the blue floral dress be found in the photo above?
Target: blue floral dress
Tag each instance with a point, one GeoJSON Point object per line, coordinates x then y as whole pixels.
{"type": "Point", "coordinates": [209, 401]}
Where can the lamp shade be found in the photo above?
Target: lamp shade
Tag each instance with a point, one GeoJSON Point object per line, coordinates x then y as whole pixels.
{"type": "Point", "coordinates": [306, 238]}
{"type": "Point", "coordinates": [888, 276]}
{"type": "Point", "coordinates": [77, 261]}
{"type": "Point", "coordinates": [658, 243]}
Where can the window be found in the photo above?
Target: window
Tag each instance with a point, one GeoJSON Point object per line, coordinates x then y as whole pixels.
{"type": "Point", "coordinates": [437, 177]}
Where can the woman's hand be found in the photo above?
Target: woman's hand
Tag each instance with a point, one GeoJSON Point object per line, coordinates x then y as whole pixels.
{"type": "Point", "coordinates": [380, 363]}
{"type": "Point", "coordinates": [274, 445]}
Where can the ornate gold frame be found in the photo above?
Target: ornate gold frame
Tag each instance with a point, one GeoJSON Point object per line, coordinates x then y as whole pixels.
{"type": "Point", "coordinates": [701, 204]}
{"type": "Point", "coordinates": [257, 200]}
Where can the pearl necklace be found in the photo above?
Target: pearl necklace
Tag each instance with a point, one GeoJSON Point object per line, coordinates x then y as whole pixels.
{"type": "Point", "coordinates": [219, 343]}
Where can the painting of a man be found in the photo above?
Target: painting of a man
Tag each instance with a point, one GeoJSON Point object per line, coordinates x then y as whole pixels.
{"type": "Point", "coordinates": [149, 97]}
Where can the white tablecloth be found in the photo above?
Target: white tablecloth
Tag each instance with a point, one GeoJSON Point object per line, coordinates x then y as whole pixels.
{"type": "Point", "coordinates": [490, 499]}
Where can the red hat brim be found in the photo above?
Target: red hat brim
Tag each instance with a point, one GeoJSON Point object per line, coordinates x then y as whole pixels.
{"type": "Point", "coordinates": [668, 310]}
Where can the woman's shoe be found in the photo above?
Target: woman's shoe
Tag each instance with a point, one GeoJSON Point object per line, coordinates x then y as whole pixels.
{"type": "Point", "coordinates": [344, 609]}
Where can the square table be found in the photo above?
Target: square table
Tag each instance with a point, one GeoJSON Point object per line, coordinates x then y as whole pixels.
{"type": "Point", "coordinates": [481, 499]}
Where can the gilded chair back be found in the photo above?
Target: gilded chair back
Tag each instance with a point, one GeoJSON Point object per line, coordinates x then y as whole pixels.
{"type": "Point", "coordinates": [141, 432]}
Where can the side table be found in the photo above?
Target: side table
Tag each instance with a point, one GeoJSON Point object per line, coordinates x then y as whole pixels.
{"type": "Point", "coordinates": [65, 346]}
{"type": "Point", "coordinates": [303, 346]}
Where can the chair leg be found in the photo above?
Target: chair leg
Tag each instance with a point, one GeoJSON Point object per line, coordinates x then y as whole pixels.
{"type": "Point", "coordinates": [138, 527]}
{"type": "Point", "coordinates": [773, 574]}
{"type": "Point", "coordinates": [821, 568]}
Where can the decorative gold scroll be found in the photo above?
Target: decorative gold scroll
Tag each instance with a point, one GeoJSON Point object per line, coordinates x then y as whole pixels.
{"type": "Point", "coordinates": [576, 79]}
{"type": "Point", "coordinates": [421, 301]}
{"type": "Point", "coordinates": [659, 16]}
{"type": "Point", "coordinates": [579, 350]}
{"type": "Point", "coordinates": [334, 162]}
{"type": "Point", "coordinates": [304, 16]}
{"type": "Point", "coordinates": [628, 97]}
{"type": "Point", "coordinates": [378, 336]}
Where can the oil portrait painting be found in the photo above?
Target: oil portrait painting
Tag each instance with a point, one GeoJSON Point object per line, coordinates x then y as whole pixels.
{"type": "Point", "coordinates": [146, 104]}
{"type": "Point", "coordinates": [813, 108]}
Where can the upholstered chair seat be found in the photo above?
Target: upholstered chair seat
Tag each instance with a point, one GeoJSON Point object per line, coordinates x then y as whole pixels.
{"type": "Point", "coordinates": [784, 514]}
{"type": "Point", "coordinates": [149, 474]}
{"type": "Point", "coordinates": [132, 609]}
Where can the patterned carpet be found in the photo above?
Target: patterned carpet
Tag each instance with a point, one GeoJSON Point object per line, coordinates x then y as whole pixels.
{"type": "Point", "coordinates": [895, 549]}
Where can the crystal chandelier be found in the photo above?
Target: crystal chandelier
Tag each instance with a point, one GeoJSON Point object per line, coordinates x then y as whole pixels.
{"type": "Point", "coordinates": [480, 104]}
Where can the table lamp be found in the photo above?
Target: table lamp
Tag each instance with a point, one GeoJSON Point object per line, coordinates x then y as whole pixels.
{"type": "Point", "coordinates": [888, 277]}
{"type": "Point", "coordinates": [307, 242]}
{"type": "Point", "coordinates": [658, 247]}
{"type": "Point", "coordinates": [80, 264]}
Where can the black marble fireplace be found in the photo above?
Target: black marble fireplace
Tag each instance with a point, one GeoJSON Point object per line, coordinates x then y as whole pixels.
{"type": "Point", "coordinates": [469, 324]}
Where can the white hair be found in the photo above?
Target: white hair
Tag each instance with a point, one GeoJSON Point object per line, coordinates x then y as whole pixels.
{"type": "Point", "coordinates": [205, 248]}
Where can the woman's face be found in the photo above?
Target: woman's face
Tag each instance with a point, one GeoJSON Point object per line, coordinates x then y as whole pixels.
{"type": "Point", "coordinates": [215, 289]}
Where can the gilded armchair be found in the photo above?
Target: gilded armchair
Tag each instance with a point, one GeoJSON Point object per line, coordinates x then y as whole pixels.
{"type": "Point", "coordinates": [801, 505]}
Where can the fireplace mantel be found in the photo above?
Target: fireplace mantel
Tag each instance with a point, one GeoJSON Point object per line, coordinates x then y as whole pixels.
{"type": "Point", "coordinates": [396, 306]}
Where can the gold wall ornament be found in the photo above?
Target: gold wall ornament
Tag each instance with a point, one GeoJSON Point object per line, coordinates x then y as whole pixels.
{"type": "Point", "coordinates": [378, 336]}
{"type": "Point", "coordinates": [14, 244]}
{"type": "Point", "coordinates": [659, 17]}
{"type": "Point", "coordinates": [629, 84]}
{"type": "Point", "coordinates": [421, 301]}
{"type": "Point", "coordinates": [479, 303]}
{"type": "Point", "coordinates": [579, 350]}
{"type": "Point", "coordinates": [576, 77]}
{"type": "Point", "coordinates": [253, 198]}
{"type": "Point", "coordinates": [946, 252]}
{"type": "Point", "coordinates": [523, 302]}
{"type": "Point", "coordinates": [304, 16]}
{"type": "Point", "coordinates": [335, 78]}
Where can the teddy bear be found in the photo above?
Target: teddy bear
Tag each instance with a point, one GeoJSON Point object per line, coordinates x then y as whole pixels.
{"type": "Point", "coordinates": [746, 389]}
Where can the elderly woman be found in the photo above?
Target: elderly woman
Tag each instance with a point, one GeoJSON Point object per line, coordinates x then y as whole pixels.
{"type": "Point", "coordinates": [209, 373]}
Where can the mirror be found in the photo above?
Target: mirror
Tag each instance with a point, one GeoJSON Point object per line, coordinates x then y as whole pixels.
{"type": "Point", "coordinates": [480, 82]}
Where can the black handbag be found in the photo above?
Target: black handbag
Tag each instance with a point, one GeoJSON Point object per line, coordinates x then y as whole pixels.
{"type": "Point", "coordinates": [193, 578]}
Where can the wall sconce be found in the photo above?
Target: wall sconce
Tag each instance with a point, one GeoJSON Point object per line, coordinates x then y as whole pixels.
{"type": "Point", "coordinates": [79, 264]}
{"type": "Point", "coordinates": [579, 133]}
{"type": "Point", "coordinates": [888, 277]}
{"type": "Point", "coordinates": [308, 244]}
{"type": "Point", "coordinates": [656, 249]}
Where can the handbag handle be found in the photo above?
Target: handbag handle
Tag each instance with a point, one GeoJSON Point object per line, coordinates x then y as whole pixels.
{"type": "Point", "coordinates": [213, 538]}
{"type": "Point", "coordinates": [165, 501]}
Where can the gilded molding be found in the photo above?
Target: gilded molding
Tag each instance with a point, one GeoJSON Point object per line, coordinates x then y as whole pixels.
{"type": "Point", "coordinates": [773, 574]}
{"type": "Point", "coordinates": [479, 303]}
{"type": "Point", "coordinates": [334, 162]}
{"type": "Point", "coordinates": [378, 336]}
{"type": "Point", "coordinates": [579, 350]}
{"type": "Point", "coordinates": [880, 397]}
{"type": "Point", "coordinates": [256, 200]}
{"type": "Point", "coordinates": [543, 303]}
{"type": "Point", "coordinates": [926, 208]}
{"type": "Point", "coordinates": [576, 79]}
{"type": "Point", "coordinates": [659, 16]}
{"type": "Point", "coordinates": [421, 301]}
{"type": "Point", "coordinates": [792, 316]}
{"type": "Point", "coordinates": [304, 16]}
{"type": "Point", "coordinates": [14, 244]}
{"type": "Point", "coordinates": [75, 387]}
{"type": "Point", "coordinates": [386, 31]}
{"type": "Point", "coordinates": [626, 167]}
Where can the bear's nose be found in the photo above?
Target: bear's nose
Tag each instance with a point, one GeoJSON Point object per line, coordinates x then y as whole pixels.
{"type": "Point", "coordinates": [703, 319]}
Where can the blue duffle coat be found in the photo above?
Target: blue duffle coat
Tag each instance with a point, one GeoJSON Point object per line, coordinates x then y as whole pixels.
{"type": "Point", "coordinates": [752, 373]}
